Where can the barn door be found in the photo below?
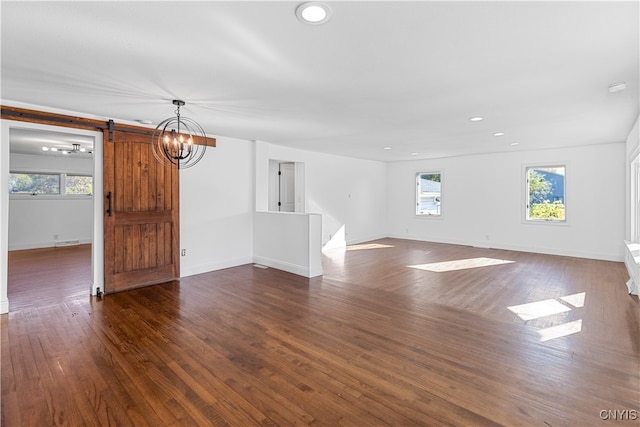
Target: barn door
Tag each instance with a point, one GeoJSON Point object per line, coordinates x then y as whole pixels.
{"type": "Point", "coordinates": [141, 214]}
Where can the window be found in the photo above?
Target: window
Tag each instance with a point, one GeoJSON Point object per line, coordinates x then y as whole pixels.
{"type": "Point", "coordinates": [429, 193]}
{"type": "Point", "coordinates": [78, 185]}
{"type": "Point", "coordinates": [49, 184]}
{"type": "Point", "coordinates": [34, 183]}
{"type": "Point", "coordinates": [545, 193]}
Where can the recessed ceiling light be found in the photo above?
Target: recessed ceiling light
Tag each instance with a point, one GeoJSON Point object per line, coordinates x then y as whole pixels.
{"type": "Point", "coordinates": [313, 12]}
{"type": "Point", "coordinates": [144, 121]}
{"type": "Point", "coordinates": [617, 87]}
{"type": "Point", "coordinates": [476, 119]}
{"type": "Point", "coordinates": [514, 143]}
{"type": "Point", "coordinates": [387, 148]}
{"type": "Point", "coordinates": [414, 154]}
{"type": "Point", "coordinates": [45, 148]}
{"type": "Point", "coordinates": [54, 149]}
{"type": "Point", "coordinates": [498, 134]}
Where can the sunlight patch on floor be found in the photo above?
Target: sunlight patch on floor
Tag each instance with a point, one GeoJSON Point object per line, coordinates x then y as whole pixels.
{"type": "Point", "coordinates": [535, 310]}
{"type": "Point", "coordinates": [461, 264]}
{"type": "Point", "coordinates": [576, 300]}
{"type": "Point", "coordinates": [368, 246]}
{"type": "Point", "coordinates": [561, 330]}
{"type": "Point", "coordinates": [549, 307]}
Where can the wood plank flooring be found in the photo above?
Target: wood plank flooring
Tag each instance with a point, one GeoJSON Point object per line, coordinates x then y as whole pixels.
{"type": "Point", "coordinates": [44, 276]}
{"type": "Point", "coordinates": [395, 333]}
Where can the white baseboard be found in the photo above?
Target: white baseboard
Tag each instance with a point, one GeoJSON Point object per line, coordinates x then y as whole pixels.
{"type": "Point", "coordinates": [47, 244]}
{"type": "Point", "coordinates": [186, 271]}
{"type": "Point", "coordinates": [300, 270]}
{"type": "Point", "coordinates": [518, 248]}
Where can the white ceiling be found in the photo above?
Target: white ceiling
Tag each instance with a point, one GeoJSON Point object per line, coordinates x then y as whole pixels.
{"type": "Point", "coordinates": [32, 141]}
{"type": "Point", "coordinates": [405, 75]}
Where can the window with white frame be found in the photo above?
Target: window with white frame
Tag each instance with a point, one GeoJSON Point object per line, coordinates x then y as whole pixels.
{"type": "Point", "coordinates": [34, 183]}
{"type": "Point", "coordinates": [50, 184]}
{"type": "Point", "coordinates": [546, 193]}
{"type": "Point", "coordinates": [429, 193]}
{"type": "Point", "coordinates": [79, 185]}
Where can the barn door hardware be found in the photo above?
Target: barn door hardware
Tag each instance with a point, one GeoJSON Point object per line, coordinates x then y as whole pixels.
{"type": "Point", "coordinates": [110, 208]}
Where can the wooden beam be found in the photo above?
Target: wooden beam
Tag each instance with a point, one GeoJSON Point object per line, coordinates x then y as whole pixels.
{"type": "Point", "coordinates": [35, 116]}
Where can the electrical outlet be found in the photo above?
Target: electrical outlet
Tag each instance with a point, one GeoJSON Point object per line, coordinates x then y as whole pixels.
{"type": "Point", "coordinates": [55, 236]}
{"type": "Point", "coordinates": [183, 252]}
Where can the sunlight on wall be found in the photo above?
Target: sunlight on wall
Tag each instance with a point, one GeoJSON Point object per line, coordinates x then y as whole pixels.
{"type": "Point", "coordinates": [549, 307]}
{"type": "Point", "coordinates": [462, 264]}
{"type": "Point", "coordinates": [338, 240]}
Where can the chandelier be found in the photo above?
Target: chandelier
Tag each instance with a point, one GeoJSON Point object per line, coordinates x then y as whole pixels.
{"type": "Point", "coordinates": [178, 140]}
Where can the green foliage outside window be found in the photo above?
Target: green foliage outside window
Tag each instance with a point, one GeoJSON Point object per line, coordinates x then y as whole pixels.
{"type": "Point", "coordinates": [31, 183]}
{"type": "Point", "coordinates": [541, 190]}
{"type": "Point", "coordinates": [79, 185]}
{"type": "Point", "coordinates": [547, 210]}
{"type": "Point", "coordinates": [50, 184]}
{"type": "Point", "coordinates": [430, 177]}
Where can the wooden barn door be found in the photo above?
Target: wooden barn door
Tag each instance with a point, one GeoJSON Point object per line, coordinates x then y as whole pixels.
{"type": "Point", "coordinates": [141, 214]}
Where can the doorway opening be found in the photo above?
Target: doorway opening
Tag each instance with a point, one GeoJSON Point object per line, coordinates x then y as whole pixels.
{"type": "Point", "coordinates": [286, 186]}
{"type": "Point", "coordinates": [52, 220]}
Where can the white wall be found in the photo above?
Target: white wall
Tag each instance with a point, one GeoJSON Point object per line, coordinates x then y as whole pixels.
{"type": "Point", "coordinates": [632, 210]}
{"type": "Point", "coordinates": [35, 220]}
{"type": "Point", "coordinates": [350, 193]}
{"type": "Point", "coordinates": [288, 241]}
{"type": "Point", "coordinates": [483, 202]}
{"type": "Point", "coordinates": [216, 208]}
{"type": "Point", "coordinates": [633, 140]}
{"type": "Point", "coordinates": [4, 214]}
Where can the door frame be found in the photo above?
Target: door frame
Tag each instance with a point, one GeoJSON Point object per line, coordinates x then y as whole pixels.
{"type": "Point", "coordinates": [97, 246]}
{"type": "Point", "coordinates": [273, 184]}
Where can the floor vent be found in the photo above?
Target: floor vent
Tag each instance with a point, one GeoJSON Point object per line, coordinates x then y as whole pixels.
{"type": "Point", "coordinates": [62, 243]}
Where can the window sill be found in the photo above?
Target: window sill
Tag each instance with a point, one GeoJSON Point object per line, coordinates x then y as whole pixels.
{"type": "Point", "coordinates": [426, 216]}
{"type": "Point", "coordinates": [546, 222]}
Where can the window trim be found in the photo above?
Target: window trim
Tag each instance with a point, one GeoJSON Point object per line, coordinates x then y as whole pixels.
{"type": "Point", "coordinates": [416, 193]}
{"type": "Point", "coordinates": [525, 193]}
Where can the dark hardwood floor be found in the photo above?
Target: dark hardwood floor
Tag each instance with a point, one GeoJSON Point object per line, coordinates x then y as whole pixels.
{"type": "Point", "coordinates": [395, 333]}
{"type": "Point", "coordinates": [38, 277]}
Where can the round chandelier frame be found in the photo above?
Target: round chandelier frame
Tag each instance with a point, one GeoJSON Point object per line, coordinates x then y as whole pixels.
{"type": "Point", "coordinates": [174, 140]}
